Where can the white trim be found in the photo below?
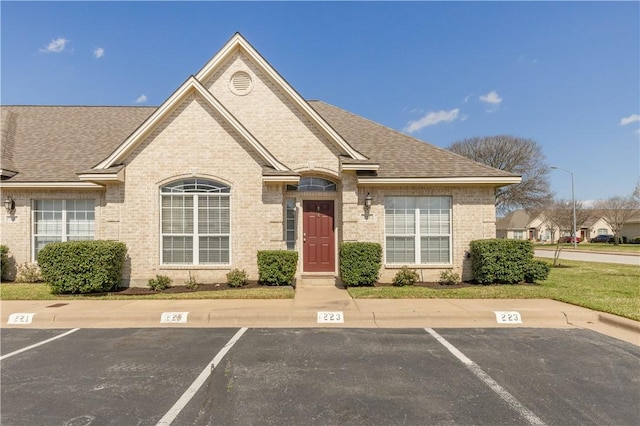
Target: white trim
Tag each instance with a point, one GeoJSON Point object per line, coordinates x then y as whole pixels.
{"type": "Point", "coordinates": [236, 42]}
{"type": "Point", "coordinates": [360, 166]}
{"type": "Point", "coordinates": [440, 181]}
{"type": "Point", "coordinates": [52, 185]}
{"type": "Point", "coordinates": [174, 100]}
{"type": "Point", "coordinates": [283, 179]}
{"type": "Point", "coordinates": [103, 177]}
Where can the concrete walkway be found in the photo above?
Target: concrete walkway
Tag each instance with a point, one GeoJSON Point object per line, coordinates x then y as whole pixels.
{"type": "Point", "coordinates": [304, 309]}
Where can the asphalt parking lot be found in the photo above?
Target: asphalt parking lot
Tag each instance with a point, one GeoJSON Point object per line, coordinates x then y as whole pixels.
{"type": "Point", "coordinates": [323, 376]}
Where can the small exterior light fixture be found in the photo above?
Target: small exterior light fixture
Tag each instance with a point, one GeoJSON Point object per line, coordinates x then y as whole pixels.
{"type": "Point", "coordinates": [9, 204]}
{"type": "Point", "coordinates": [367, 204]}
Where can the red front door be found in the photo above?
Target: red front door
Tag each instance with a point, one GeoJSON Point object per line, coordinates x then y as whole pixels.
{"type": "Point", "coordinates": [318, 247]}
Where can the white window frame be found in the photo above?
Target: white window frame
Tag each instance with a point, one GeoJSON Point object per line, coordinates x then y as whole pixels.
{"type": "Point", "coordinates": [64, 234]}
{"type": "Point", "coordinates": [518, 234]}
{"type": "Point", "coordinates": [290, 223]}
{"type": "Point", "coordinates": [195, 188]}
{"type": "Point", "coordinates": [417, 235]}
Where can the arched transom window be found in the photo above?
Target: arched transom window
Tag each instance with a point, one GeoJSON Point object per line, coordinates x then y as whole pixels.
{"type": "Point", "coordinates": [313, 184]}
{"type": "Point", "coordinates": [195, 223]}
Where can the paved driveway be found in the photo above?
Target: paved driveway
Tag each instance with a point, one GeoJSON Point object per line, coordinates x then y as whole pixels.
{"type": "Point", "coordinates": [317, 376]}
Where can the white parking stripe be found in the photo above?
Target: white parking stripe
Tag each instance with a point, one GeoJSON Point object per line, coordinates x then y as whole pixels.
{"type": "Point", "coordinates": [66, 333]}
{"type": "Point", "coordinates": [173, 412]}
{"type": "Point", "coordinates": [486, 379]}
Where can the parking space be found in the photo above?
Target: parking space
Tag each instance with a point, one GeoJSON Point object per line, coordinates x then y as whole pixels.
{"type": "Point", "coordinates": [319, 376]}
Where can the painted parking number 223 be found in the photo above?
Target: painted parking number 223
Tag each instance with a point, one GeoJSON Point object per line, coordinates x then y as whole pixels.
{"type": "Point", "coordinates": [508, 317]}
{"type": "Point", "coordinates": [330, 317]}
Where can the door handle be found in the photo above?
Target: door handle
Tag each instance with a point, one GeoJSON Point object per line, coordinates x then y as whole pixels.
{"type": "Point", "coordinates": [304, 237]}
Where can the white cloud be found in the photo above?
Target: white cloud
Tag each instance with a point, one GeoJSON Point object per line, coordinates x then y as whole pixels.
{"type": "Point", "coordinates": [98, 52]}
{"type": "Point", "coordinates": [630, 119]}
{"type": "Point", "coordinates": [491, 98]}
{"type": "Point", "coordinates": [141, 99]}
{"type": "Point", "coordinates": [432, 118]}
{"type": "Point", "coordinates": [56, 46]}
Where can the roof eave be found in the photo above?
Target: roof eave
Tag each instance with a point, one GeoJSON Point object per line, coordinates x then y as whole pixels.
{"type": "Point", "coordinates": [485, 181]}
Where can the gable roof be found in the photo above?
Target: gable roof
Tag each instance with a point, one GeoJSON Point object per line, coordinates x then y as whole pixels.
{"type": "Point", "coordinates": [190, 86]}
{"type": "Point", "coordinates": [64, 146]}
{"type": "Point", "coordinates": [239, 43]}
{"type": "Point", "coordinates": [517, 219]}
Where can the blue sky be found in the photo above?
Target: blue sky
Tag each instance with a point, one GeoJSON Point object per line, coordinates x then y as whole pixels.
{"type": "Point", "coordinates": [564, 74]}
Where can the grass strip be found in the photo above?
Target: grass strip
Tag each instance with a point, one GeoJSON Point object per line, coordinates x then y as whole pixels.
{"type": "Point", "coordinates": [603, 287]}
{"type": "Point", "coordinates": [16, 291]}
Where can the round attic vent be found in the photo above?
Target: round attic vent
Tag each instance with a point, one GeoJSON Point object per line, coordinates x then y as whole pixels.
{"type": "Point", "coordinates": [241, 83]}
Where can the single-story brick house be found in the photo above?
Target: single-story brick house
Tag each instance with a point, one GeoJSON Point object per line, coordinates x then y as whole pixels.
{"type": "Point", "coordinates": [233, 162]}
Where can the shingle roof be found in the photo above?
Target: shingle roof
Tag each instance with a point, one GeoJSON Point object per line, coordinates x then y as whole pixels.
{"type": "Point", "coordinates": [400, 155]}
{"type": "Point", "coordinates": [517, 219]}
{"type": "Point", "coordinates": [54, 143]}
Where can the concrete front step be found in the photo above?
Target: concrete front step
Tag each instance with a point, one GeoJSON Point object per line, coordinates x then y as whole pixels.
{"type": "Point", "coordinates": [317, 281]}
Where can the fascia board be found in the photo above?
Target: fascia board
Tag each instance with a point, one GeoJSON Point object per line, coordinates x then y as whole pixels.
{"type": "Point", "coordinates": [495, 181]}
{"type": "Point", "coordinates": [52, 185]}
{"type": "Point", "coordinates": [103, 177]}
{"type": "Point", "coordinates": [281, 179]}
{"type": "Point", "coordinates": [364, 167]}
{"type": "Point", "coordinates": [237, 41]}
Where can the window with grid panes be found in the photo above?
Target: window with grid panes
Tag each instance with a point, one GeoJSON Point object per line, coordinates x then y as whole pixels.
{"type": "Point", "coordinates": [195, 223]}
{"type": "Point", "coordinates": [417, 230]}
{"type": "Point", "coordinates": [62, 220]}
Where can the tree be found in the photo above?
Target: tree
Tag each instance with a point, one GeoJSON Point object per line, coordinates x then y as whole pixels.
{"type": "Point", "coordinates": [617, 211]}
{"type": "Point", "coordinates": [519, 156]}
{"type": "Point", "coordinates": [559, 214]}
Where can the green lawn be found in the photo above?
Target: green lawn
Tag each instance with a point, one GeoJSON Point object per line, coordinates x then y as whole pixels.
{"type": "Point", "coordinates": [603, 287]}
{"type": "Point", "coordinates": [595, 247]}
{"type": "Point", "coordinates": [16, 291]}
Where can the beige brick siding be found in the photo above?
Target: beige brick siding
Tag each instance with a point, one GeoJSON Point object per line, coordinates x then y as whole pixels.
{"type": "Point", "coordinates": [15, 229]}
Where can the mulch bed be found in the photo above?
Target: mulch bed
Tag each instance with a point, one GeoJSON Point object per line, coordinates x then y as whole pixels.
{"type": "Point", "coordinates": [253, 284]}
{"type": "Point", "coordinates": [127, 291]}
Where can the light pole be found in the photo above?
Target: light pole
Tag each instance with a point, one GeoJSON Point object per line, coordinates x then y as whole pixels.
{"type": "Point", "coordinates": [573, 199]}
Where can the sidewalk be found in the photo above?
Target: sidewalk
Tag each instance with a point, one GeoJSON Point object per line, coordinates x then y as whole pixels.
{"type": "Point", "coordinates": [302, 311]}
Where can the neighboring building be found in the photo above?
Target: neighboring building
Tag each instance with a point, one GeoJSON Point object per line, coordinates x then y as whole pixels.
{"type": "Point", "coordinates": [520, 225]}
{"type": "Point", "coordinates": [233, 162]}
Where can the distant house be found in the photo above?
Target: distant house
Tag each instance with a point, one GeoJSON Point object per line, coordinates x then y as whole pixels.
{"type": "Point", "coordinates": [236, 161]}
{"type": "Point", "coordinates": [521, 225]}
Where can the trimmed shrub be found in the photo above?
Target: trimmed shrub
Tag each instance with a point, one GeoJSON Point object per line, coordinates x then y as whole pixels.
{"type": "Point", "coordinates": [160, 282]}
{"type": "Point", "coordinates": [237, 278]}
{"type": "Point", "coordinates": [360, 263]}
{"type": "Point", "coordinates": [29, 273]}
{"type": "Point", "coordinates": [449, 278]}
{"type": "Point", "coordinates": [500, 261]}
{"type": "Point", "coordinates": [405, 276]}
{"type": "Point", "coordinates": [82, 266]}
{"type": "Point", "coordinates": [4, 260]}
{"type": "Point", "coordinates": [277, 267]}
{"type": "Point", "coordinates": [537, 270]}
{"type": "Point", "coordinates": [635, 240]}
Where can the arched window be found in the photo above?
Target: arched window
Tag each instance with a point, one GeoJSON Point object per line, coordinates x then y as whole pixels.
{"type": "Point", "coordinates": [313, 184]}
{"type": "Point", "coordinates": [195, 223]}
